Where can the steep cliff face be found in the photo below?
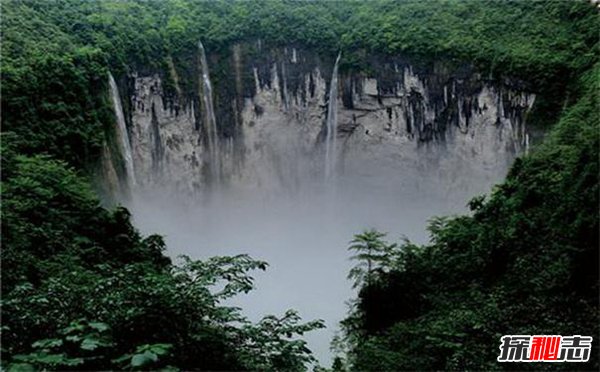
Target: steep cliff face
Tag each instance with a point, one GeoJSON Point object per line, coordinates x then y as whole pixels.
{"type": "Point", "coordinates": [417, 126]}
{"type": "Point", "coordinates": [411, 141]}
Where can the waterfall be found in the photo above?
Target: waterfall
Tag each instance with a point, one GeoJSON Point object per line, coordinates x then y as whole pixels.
{"type": "Point", "coordinates": [210, 123]}
{"type": "Point", "coordinates": [330, 139]}
{"type": "Point", "coordinates": [122, 132]}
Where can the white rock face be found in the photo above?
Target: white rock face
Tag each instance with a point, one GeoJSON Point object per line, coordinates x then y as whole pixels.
{"type": "Point", "coordinates": [412, 143]}
{"type": "Point", "coordinates": [479, 149]}
{"type": "Point", "coordinates": [166, 145]}
{"type": "Point", "coordinates": [280, 142]}
{"type": "Point", "coordinates": [417, 131]}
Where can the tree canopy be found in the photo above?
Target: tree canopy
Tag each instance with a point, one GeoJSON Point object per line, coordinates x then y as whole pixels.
{"type": "Point", "coordinates": [525, 262]}
{"type": "Point", "coordinates": [56, 54]}
{"type": "Point", "coordinates": [83, 289]}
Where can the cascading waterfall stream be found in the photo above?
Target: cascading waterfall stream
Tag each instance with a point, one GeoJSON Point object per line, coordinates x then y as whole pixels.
{"type": "Point", "coordinates": [331, 138]}
{"type": "Point", "coordinates": [210, 122]}
{"type": "Point", "coordinates": [122, 132]}
{"type": "Point", "coordinates": [303, 172]}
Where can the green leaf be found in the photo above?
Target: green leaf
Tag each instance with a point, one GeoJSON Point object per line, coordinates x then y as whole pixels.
{"type": "Point", "coordinates": [121, 359]}
{"type": "Point", "coordinates": [90, 344]}
{"type": "Point", "coordinates": [160, 349]}
{"type": "Point", "coordinates": [99, 326]}
{"type": "Point", "coordinates": [73, 338]}
{"type": "Point", "coordinates": [151, 355]}
{"type": "Point", "coordinates": [140, 360]}
{"type": "Point", "coordinates": [47, 343]}
{"type": "Point", "coordinates": [21, 367]}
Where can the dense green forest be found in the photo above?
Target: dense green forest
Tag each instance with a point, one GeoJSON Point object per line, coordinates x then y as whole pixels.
{"type": "Point", "coordinates": [56, 54]}
{"type": "Point", "coordinates": [525, 262]}
{"type": "Point", "coordinates": [82, 289]}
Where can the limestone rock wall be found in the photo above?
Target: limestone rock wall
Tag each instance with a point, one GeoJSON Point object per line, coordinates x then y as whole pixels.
{"type": "Point", "coordinates": [417, 126]}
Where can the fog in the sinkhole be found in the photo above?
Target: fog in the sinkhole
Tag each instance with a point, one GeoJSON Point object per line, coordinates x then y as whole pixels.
{"type": "Point", "coordinates": [303, 235]}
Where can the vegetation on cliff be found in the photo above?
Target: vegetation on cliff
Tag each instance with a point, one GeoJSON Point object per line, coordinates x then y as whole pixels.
{"type": "Point", "coordinates": [525, 262]}
{"type": "Point", "coordinates": [82, 289]}
{"type": "Point", "coordinates": [55, 55]}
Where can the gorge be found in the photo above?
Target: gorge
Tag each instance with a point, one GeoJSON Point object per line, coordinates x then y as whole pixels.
{"type": "Point", "coordinates": [275, 124]}
{"type": "Point", "coordinates": [207, 185]}
{"type": "Point", "coordinates": [272, 151]}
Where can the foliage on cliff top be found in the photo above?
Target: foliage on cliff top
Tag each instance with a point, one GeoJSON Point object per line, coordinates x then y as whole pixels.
{"type": "Point", "coordinates": [69, 259]}
{"type": "Point", "coordinates": [55, 54]}
{"type": "Point", "coordinates": [525, 262]}
{"type": "Point", "coordinates": [540, 37]}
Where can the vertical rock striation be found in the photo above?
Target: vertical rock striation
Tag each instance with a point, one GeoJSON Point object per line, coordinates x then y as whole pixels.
{"type": "Point", "coordinates": [331, 137]}
{"type": "Point", "coordinates": [274, 111]}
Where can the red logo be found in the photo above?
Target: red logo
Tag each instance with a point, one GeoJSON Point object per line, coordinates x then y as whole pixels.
{"type": "Point", "coordinates": [544, 348]}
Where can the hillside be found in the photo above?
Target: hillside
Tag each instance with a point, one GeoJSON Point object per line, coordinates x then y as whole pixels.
{"type": "Point", "coordinates": [83, 289]}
